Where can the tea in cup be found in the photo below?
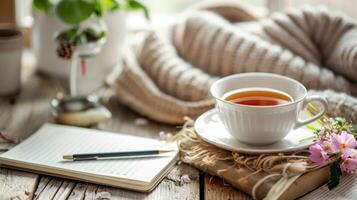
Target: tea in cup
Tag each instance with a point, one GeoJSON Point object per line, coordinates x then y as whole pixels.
{"type": "Point", "coordinates": [262, 108]}
{"type": "Point", "coordinates": [258, 97]}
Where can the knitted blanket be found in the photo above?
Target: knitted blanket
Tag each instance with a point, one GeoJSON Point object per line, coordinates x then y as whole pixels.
{"type": "Point", "coordinates": [167, 73]}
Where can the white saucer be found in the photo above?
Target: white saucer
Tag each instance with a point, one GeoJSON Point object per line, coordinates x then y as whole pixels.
{"type": "Point", "coordinates": [210, 129]}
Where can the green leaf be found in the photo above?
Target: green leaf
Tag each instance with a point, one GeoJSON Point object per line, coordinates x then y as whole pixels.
{"type": "Point", "coordinates": [101, 6]}
{"type": "Point", "coordinates": [75, 11]}
{"type": "Point", "coordinates": [335, 175]}
{"type": "Point", "coordinates": [340, 121]}
{"type": "Point", "coordinates": [81, 38]}
{"type": "Point", "coordinates": [41, 5]}
{"type": "Point", "coordinates": [109, 4]}
{"type": "Point", "coordinates": [312, 127]}
{"type": "Point", "coordinates": [307, 139]}
{"type": "Point", "coordinates": [136, 5]}
{"type": "Point", "coordinates": [72, 34]}
{"type": "Point", "coordinates": [44, 5]}
{"type": "Point", "coordinates": [98, 8]}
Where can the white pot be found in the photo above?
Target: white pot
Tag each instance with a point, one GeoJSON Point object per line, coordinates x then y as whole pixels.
{"type": "Point", "coordinates": [98, 67]}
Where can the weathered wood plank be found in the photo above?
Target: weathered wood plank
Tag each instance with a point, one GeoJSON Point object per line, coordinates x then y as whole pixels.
{"type": "Point", "coordinates": [44, 180]}
{"type": "Point", "coordinates": [91, 191]}
{"type": "Point", "coordinates": [78, 192]}
{"type": "Point", "coordinates": [16, 184]}
{"type": "Point", "coordinates": [31, 108]}
{"type": "Point", "coordinates": [5, 114]}
{"type": "Point", "coordinates": [21, 116]}
{"type": "Point", "coordinates": [59, 189]}
{"type": "Point", "coordinates": [170, 188]}
{"type": "Point", "coordinates": [50, 189]}
{"type": "Point", "coordinates": [215, 188]}
{"type": "Point", "coordinates": [65, 190]}
{"type": "Point", "coordinates": [174, 187]}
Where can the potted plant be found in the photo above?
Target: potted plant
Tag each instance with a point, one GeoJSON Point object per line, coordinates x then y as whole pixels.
{"type": "Point", "coordinates": [80, 22]}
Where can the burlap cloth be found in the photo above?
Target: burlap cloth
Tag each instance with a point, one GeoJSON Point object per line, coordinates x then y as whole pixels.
{"type": "Point", "coordinates": [167, 74]}
{"type": "Point", "coordinates": [263, 176]}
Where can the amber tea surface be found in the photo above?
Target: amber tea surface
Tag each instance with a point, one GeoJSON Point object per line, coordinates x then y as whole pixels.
{"type": "Point", "coordinates": [259, 97]}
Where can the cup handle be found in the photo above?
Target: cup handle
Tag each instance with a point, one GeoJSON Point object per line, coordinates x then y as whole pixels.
{"type": "Point", "coordinates": [323, 101]}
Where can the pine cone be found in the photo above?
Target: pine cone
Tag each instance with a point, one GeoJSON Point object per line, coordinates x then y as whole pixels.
{"type": "Point", "coordinates": [65, 49]}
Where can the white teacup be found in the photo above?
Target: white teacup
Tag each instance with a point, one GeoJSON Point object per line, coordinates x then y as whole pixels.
{"type": "Point", "coordinates": [263, 125]}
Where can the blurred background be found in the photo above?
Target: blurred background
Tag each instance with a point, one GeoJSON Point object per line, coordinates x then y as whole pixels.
{"type": "Point", "coordinates": [38, 29]}
{"type": "Point", "coordinates": [20, 11]}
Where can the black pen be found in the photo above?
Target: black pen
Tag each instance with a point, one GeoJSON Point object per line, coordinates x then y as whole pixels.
{"type": "Point", "coordinates": [113, 155]}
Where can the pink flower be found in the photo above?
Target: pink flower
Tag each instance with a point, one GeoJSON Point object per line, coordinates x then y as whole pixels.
{"type": "Point", "coordinates": [326, 145]}
{"type": "Point", "coordinates": [317, 154]}
{"type": "Point", "coordinates": [319, 139]}
{"type": "Point", "coordinates": [349, 161]}
{"type": "Point", "coordinates": [349, 165]}
{"type": "Point", "coordinates": [343, 141]}
{"type": "Point", "coordinates": [351, 153]}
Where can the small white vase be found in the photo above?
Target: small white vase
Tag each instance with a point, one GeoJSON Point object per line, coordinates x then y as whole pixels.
{"type": "Point", "coordinates": [98, 67]}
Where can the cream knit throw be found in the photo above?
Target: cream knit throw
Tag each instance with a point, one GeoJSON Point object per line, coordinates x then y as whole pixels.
{"type": "Point", "coordinates": [167, 73]}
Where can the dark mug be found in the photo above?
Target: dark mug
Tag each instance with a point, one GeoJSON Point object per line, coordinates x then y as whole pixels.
{"type": "Point", "coordinates": [11, 45]}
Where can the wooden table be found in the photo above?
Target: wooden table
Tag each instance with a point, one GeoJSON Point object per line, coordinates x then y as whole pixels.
{"type": "Point", "coordinates": [26, 113]}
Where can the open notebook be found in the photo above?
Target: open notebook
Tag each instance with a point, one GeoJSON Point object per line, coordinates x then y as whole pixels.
{"type": "Point", "coordinates": [42, 152]}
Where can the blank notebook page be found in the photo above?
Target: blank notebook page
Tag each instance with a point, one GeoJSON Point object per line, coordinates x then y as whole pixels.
{"type": "Point", "coordinates": [47, 146]}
